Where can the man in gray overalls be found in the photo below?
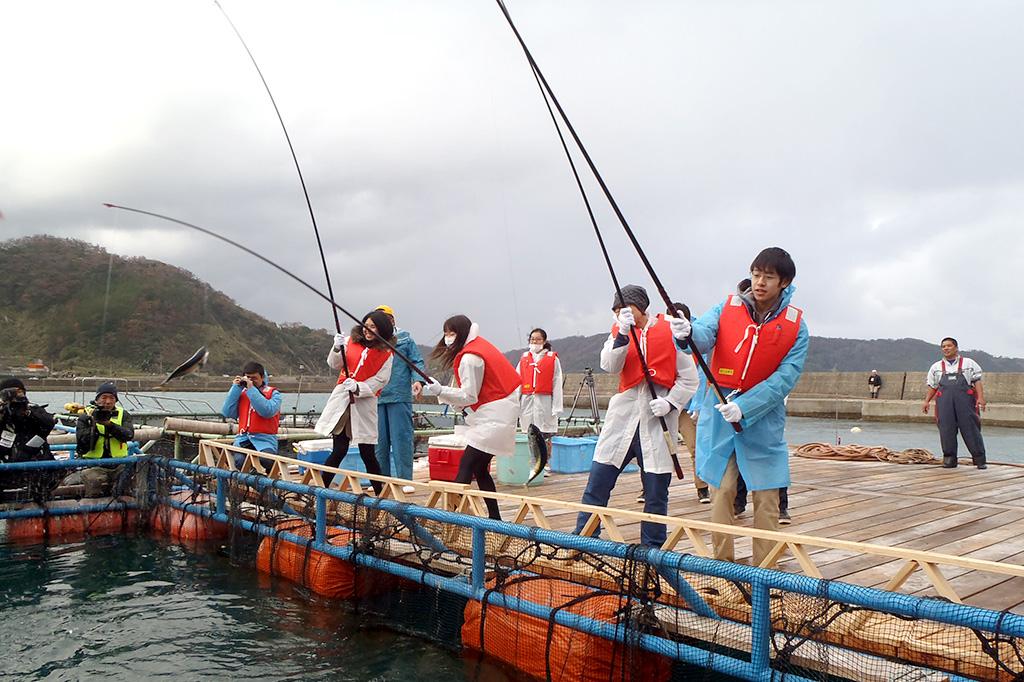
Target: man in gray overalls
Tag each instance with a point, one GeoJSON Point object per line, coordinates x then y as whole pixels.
{"type": "Point", "coordinates": [955, 383]}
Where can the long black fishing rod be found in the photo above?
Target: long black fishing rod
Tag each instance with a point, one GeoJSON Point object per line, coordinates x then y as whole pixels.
{"type": "Point", "coordinates": [298, 170]}
{"type": "Point", "coordinates": [549, 92]}
{"type": "Point", "coordinates": [669, 436]}
{"type": "Point", "coordinates": [277, 267]}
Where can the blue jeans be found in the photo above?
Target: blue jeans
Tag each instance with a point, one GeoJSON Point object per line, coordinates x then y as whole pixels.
{"type": "Point", "coordinates": [248, 444]}
{"type": "Point", "coordinates": [602, 480]}
{"type": "Point", "coordinates": [395, 439]}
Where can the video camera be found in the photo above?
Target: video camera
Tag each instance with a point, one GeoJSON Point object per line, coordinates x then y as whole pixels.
{"type": "Point", "coordinates": [100, 414]}
{"type": "Point", "coordinates": [12, 404]}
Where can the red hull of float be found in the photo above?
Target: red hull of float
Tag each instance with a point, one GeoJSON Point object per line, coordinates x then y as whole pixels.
{"type": "Point", "coordinates": [182, 525]}
{"type": "Point", "coordinates": [523, 642]}
{"type": "Point", "coordinates": [70, 526]}
{"type": "Point", "coordinates": [324, 574]}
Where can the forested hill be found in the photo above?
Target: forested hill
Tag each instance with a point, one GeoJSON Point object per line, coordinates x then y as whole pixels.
{"type": "Point", "coordinates": [825, 355]}
{"type": "Point", "coordinates": [53, 306]}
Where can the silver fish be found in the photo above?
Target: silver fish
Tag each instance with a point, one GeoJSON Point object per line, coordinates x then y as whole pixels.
{"type": "Point", "coordinates": [539, 450]}
{"type": "Point", "coordinates": [194, 363]}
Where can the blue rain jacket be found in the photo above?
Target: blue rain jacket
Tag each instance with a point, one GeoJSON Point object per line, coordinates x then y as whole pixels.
{"type": "Point", "coordinates": [265, 408]}
{"type": "Point", "coordinates": [399, 388]}
{"type": "Point", "coordinates": [761, 451]}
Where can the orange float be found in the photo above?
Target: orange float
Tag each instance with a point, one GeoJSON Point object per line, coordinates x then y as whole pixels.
{"type": "Point", "coordinates": [70, 526]}
{"type": "Point", "coordinates": [183, 525]}
{"type": "Point", "coordinates": [324, 574]}
{"type": "Point", "coordinates": [528, 644]}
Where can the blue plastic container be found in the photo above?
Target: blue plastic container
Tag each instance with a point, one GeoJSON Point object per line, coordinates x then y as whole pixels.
{"type": "Point", "coordinates": [574, 455]}
{"type": "Point", "coordinates": [351, 461]}
{"type": "Point", "coordinates": [515, 469]}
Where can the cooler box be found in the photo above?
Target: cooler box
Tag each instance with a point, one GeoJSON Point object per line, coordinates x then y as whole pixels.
{"type": "Point", "coordinates": [515, 470]}
{"type": "Point", "coordinates": [574, 455]}
{"type": "Point", "coordinates": [317, 451]}
{"type": "Point", "coordinates": [444, 453]}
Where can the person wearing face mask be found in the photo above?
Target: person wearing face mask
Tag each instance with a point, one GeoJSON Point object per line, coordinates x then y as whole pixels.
{"type": "Point", "coordinates": [486, 387]}
{"type": "Point", "coordinates": [760, 344]}
{"type": "Point", "coordinates": [350, 415]}
{"type": "Point", "coordinates": [632, 427]}
{"type": "Point", "coordinates": [541, 391]}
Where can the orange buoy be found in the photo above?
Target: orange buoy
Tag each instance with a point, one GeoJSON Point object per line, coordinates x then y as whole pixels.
{"type": "Point", "coordinates": [183, 525]}
{"type": "Point", "coordinates": [528, 644]}
{"type": "Point", "coordinates": [71, 526]}
{"type": "Point", "coordinates": [324, 574]}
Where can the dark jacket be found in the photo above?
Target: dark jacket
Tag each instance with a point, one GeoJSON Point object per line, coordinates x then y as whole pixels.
{"type": "Point", "coordinates": [36, 422]}
{"type": "Point", "coordinates": [86, 434]}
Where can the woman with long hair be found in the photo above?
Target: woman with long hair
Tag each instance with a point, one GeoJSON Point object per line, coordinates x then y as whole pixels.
{"type": "Point", "coordinates": [541, 373]}
{"type": "Point", "coordinates": [350, 415]}
{"type": "Point", "coordinates": [486, 387]}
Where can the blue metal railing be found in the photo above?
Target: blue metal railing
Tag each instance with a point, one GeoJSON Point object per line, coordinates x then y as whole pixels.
{"type": "Point", "coordinates": [670, 565]}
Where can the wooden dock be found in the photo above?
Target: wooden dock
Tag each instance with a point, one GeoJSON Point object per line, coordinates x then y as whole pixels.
{"type": "Point", "coordinates": [963, 512]}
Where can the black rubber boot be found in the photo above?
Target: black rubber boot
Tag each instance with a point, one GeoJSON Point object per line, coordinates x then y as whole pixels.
{"type": "Point", "coordinates": [949, 462]}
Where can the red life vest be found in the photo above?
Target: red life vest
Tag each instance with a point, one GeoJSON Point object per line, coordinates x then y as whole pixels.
{"type": "Point", "coordinates": [747, 353]}
{"type": "Point", "coordinates": [539, 376]}
{"type": "Point", "coordinates": [250, 421]}
{"type": "Point", "coordinates": [500, 377]}
{"type": "Point", "coordinates": [659, 352]}
{"type": "Point", "coordinates": [363, 362]}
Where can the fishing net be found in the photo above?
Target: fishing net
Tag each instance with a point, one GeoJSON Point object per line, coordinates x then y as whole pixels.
{"type": "Point", "coordinates": [545, 611]}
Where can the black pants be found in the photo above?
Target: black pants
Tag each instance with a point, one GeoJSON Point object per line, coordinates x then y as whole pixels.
{"type": "Point", "coordinates": [477, 464]}
{"type": "Point", "coordinates": [741, 496]}
{"type": "Point", "coordinates": [367, 452]}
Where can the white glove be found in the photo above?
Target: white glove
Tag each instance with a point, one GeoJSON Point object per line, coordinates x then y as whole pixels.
{"type": "Point", "coordinates": [339, 341]}
{"type": "Point", "coordinates": [433, 388]}
{"type": "Point", "coordinates": [350, 385]}
{"type": "Point", "coordinates": [680, 327]}
{"type": "Point", "coordinates": [731, 412]}
{"type": "Point", "coordinates": [625, 320]}
{"type": "Point", "coordinates": [694, 414]}
{"type": "Point", "coordinates": [660, 407]}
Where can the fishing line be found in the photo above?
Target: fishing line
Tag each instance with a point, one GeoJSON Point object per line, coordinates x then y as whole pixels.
{"type": "Point", "coordinates": [298, 170]}
{"type": "Point", "coordinates": [277, 267]}
{"type": "Point", "coordinates": [549, 92]}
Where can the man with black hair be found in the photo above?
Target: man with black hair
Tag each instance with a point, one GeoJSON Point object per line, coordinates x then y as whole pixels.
{"type": "Point", "coordinates": [23, 430]}
{"type": "Point", "coordinates": [632, 427]}
{"type": "Point", "coordinates": [257, 407]}
{"type": "Point", "coordinates": [955, 384]}
{"type": "Point", "coordinates": [760, 344]}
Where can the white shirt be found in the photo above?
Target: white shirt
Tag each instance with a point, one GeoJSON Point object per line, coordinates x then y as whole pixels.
{"type": "Point", "coordinates": [972, 371]}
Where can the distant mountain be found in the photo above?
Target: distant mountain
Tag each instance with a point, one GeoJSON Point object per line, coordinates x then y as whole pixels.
{"type": "Point", "coordinates": [54, 305]}
{"type": "Point", "coordinates": [824, 355]}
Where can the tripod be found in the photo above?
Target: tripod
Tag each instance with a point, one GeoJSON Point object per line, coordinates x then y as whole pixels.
{"type": "Point", "coordinates": [595, 418]}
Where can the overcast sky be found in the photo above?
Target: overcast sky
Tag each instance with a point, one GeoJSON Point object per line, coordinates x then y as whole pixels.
{"type": "Point", "coordinates": [880, 143]}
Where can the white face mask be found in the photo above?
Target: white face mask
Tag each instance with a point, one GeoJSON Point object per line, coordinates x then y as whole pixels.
{"type": "Point", "coordinates": [536, 347]}
{"type": "Point", "coordinates": [449, 339]}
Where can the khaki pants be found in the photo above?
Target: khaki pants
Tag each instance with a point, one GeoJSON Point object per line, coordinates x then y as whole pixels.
{"type": "Point", "coordinates": [688, 430]}
{"type": "Point", "coordinates": [766, 515]}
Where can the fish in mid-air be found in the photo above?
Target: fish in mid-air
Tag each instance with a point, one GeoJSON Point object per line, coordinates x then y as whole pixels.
{"type": "Point", "coordinates": [193, 364]}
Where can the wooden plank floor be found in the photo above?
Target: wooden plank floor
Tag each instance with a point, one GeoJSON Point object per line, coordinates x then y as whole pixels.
{"type": "Point", "coordinates": [963, 511]}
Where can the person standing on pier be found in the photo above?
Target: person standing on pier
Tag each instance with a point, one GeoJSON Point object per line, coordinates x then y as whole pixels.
{"type": "Point", "coordinates": [487, 390]}
{"type": "Point", "coordinates": [350, 415]}
{"type": "Point", "coordinates": [874, 383]}
{"type": "Point", "coordinates": [760, 344]}
{"type": "Point", "coordinates": [257, 407]}
{"type": "Point", "coordinates": [632, 427]}
{"type": "Point", "coordinates": [541, 400]}
{"type": "Point", "coordinates": [955, 384]}
{"type": "Point", "coordinates": [395, 438]}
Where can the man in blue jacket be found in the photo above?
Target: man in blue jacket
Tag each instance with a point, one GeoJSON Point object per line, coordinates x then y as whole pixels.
{"type": "Point", "coordinates": [760, 345]}
{"type": "Point", "coordinates": [394, 407]}
{"type": "Point", "coordinates": [257, 407]}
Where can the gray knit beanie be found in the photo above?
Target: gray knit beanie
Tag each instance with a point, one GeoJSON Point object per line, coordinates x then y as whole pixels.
{"type": "Point", "coordinates": [632, 294]}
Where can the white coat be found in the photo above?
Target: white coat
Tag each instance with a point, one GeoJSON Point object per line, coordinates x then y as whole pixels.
{"type": "Point", "coordinates": [540, 409]}
{"type": "Point", "coordinates": [631, 408]}
{"type": "Point", "coordinates": [364, 404]}
{"type": "Point", "coordinates": [492, 428]}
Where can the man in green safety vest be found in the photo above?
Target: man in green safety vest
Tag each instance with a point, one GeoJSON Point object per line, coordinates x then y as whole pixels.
{"type": "Point", "coordinates": [102, 432]}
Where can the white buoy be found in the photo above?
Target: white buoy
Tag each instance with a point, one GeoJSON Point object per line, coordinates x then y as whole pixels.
{"type": "Point", "coordinates": [855, 429]}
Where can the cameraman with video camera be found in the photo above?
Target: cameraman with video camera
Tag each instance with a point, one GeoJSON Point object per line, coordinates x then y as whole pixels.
{"type": "Point", "coordinates": [23, 431]}
{"type": "Point", "coordinates": [102, 432]}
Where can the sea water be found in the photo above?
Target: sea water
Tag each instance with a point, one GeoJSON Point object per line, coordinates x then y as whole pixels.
{"type": "Point", "coordinates": [135, 607]}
